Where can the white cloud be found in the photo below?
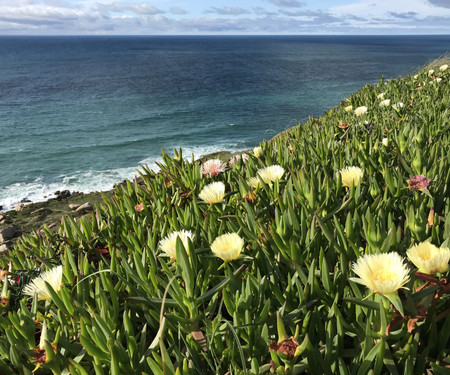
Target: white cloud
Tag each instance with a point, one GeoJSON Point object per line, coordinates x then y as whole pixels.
{"type": "Point", "coordinates": [228, 11]}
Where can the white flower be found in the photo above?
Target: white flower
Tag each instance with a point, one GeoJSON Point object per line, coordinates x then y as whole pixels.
{"type": "Point", "coordinates": [381, 273]}
{"type": "Point", "coordinates": [212, 167]}
{"type": "Point", "coordinates": [38, 287]}
{"type": "Point", "coordinates": [438, 79]}
{"type": "Point", "coordinates": [385, 142]}
{"type": "Point", "coordinates": [398, 106]}
{"type": "Point", "coordinates": [428, 258]}
{"type": "Point", "coordinates": [351, 176]}
{"type": "Point", "coordinates": [213, 193]}
{"type": "Point", "coordinates": [169, 243]}
{"type": "Point", "coordinates": [271, 174]}
{"type": "Point", "coordinates": [430, 72]}
{"type": "Point", "coordinates": [254, 182]}
{"type": "Point", "coordinates": [385, 103]}
{"type": "Point", "coordinates": [443, 68]}
{"type": "Point", "coordinates": [380, 96]}
{"type": "Point", "coordinates": [416, 77]}
{"type": "Point", "coordinates": [360, 111]}
{"type": "Point", "coordinates": [257, 151]}
{"type": "Point", "coordinates": [348, 108]}
{"type": "Point", "coordinates": [228, 246]}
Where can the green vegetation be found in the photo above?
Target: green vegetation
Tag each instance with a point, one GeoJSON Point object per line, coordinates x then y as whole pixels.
{"type": "Point", "coordinates": [293, 301]}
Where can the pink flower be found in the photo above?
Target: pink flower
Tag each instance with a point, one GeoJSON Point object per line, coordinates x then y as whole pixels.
{"type": "Point", "coordinates": [419, 183]}
{"type": "Point", "coordinates": [139, 207]}
{"type": "Point", "coordinates": [212, 167]}
{"type": "Point", "coordinates": [236, 158]}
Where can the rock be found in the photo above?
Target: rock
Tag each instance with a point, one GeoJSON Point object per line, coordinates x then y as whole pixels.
{"type": "Point", "coordinates": [62, 194]}
{"type": "Point", "coordinates": [85, 207]}
{"type": "Point", "coordinates": [25, 200]}
{"type": "Point", "coordinates": [7, 233]}
{"type": "Point", "coordinates": [19, 207]}
{"type": "Point", "coordinates": [73, 206]}
{"type": "Point", "coordinates": [1, 207]}
{"type": "Point", "coordinates": [4, 248]}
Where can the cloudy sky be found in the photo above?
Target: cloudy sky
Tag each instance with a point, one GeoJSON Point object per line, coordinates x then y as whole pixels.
{"type": "Point", "coordinates": [175, 17]}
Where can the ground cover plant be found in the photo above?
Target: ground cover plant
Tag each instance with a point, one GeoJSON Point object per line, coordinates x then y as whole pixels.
{"type": "Point", "coordinates": [323, 251]}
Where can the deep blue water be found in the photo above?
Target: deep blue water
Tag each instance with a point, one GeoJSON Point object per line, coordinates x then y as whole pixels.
{"type": "Point", "coordinates": [82, 113]}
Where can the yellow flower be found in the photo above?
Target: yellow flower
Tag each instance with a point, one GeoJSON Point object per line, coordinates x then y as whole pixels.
{"type": "Point", "coordinates": [385, 103]}
{"type": "Point", "coordinates": [360, 111]}
{"type": "Point", "coordinates": [348, 108]}
{"type": "Point", "coordinates": [385, 142]}
{"type": "Point", "coordinates": [228, 246]}
{"type": "Point", "coordinates": [381, 273]}
{"type": "Point", "coordinates": [257, 151]}
{"type": "Point", "coordinates": [429, 258]}
{"type": "Point", "coordinates": [430, 72]}
{"type": "Point", "coordinates": [213, 193]}
{"type": "Point", "coordinates": [169, 243]}
{"type": "Point", "coordinates": [271, 174]}
{"type": "Point", "coordinates": [443, 68]}
{"type": "Point", "coordinates": [380, 96]}
{"type": "Point", "coordinates": [37, 286]}
{"type": "Point", "coordinates": [254, 182]}
{"type": "Point", "coordinates": [351, 176]}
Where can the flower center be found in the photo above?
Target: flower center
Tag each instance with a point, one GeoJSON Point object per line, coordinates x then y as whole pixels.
{"type": "Point", "coordinates": [385, 275]}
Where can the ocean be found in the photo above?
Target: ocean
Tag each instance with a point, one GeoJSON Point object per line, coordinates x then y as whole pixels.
{"type": "Point", "coordinates": [83, 113]}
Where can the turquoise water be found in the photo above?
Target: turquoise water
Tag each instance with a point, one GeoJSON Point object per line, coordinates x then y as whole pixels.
{"type": "Point", "coordinates": [82, 113]}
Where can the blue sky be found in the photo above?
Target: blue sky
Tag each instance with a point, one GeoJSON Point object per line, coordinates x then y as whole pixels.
{"type": "Point", "coordinates": [186, 17]}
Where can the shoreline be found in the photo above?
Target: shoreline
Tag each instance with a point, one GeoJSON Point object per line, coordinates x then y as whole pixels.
{"type": "Point", "coordinates": [35, 215]}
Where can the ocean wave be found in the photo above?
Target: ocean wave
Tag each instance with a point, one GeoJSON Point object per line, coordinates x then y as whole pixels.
{"type": "Point", "coordinates": [42, 189]}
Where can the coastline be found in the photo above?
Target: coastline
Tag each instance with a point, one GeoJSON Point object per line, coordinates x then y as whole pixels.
{"type": "Point", "coordinates": [36, 215]}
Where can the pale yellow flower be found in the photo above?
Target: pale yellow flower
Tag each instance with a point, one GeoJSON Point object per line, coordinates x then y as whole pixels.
{"type": "Point", "coordinates": [385, 142]}
{"type": "Point", "coordinates": [271, 174]}
{"type": "Point", "coordinates": [443, 68]}
{"type": "Point", "coordinates": [169, 243]}
{"type": "Point", "coordinates": [254, 182]}
{"type": "Point", "coordinates": [212, 167]}
{"type": "Point", "coordinates": [380, 96]}
{"type": "Point", "coordinates": [381, 273]}
{"type": "Point", "coordinates": [428, 258]}
{"type": "Point", "coordinates": [416, 77]}
{"type": "Point", "coordinates": [360, 111]}
{"type": "Point", "coordinates": [430, 72]}
{"type": "Point", "coordinates": [228, 246]}
{"type": "Point", "coordinates": [351, 176]}
{"type": "Point", "coordinates": [348, 108]}
{"type": "Point", "coordinates": [257, 151]}
{"type": "Point", "coordinates": [398, 106]}
{"type": "Point", "coordinates": [213, 193]}
{"type": "Point", "coordinates": [438, 79]}
{"type": "Point", "coordinates": [385, 103]}
{"type": "Point", "coordinates": [38, 287]}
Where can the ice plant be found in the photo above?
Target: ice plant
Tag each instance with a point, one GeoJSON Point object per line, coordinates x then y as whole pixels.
{"type": "Point", "coordinates": [428, 258]}
{"type": "Point", "coordinates": [238, 157]}
{"type": "Point", "coordinates": [257, 151]}
{"type": "Point", "coordinates": [398, 106]}
{"type": "Point", "coordinates": [348, 108]}
{"type": "Point", "coordinates": [443, 68]}
{"type": "Point", "coordinates": [169, 243]}
{"type": "Point", "coordinates": [271, 174]}
{"type": "Point", "coordinates": [439, 79]}
{"type": "Point", "coordinates": [385, 103]}
{"type": "Point", "coordinates": [228, 246]}
{"type": "Point", "coordinates": [254, 182]}
{"type": "Point", "coordinates": [351, 176]}
{"type": "Point", "coordinates": [139, 207]}
{"type": "Point", "coordinates": [430, 72]}
{"type": "Point", "coordinates": [385, 142]}
{"type": "Point", "coordinates": [213, 193]}
{"type": "Point", "coordinates": [380, 96]}
{"type": "Point", "coordinates": [381, 273]}
{"type": "Point", "coordinates": [419, 182]}
{"type": "Point", "coordinates": [360, 111]}
{"type": "Point", "coordinates": [212, 167]}
{"type": "Point", "coordinates": [38, 287]}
